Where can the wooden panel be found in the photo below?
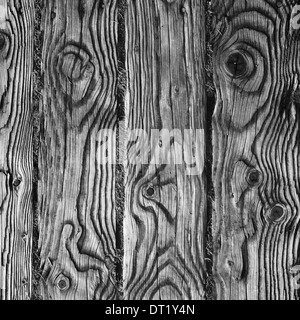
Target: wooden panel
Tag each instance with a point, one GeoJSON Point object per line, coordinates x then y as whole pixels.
{"type": "Point", "coordinates": [165, 210]}
{"type": "Point", "coordinates": [76, 192]}
{"type": "Point", "coordinates": [256, 150]}
{"type": "Point", "coordinates": [16, 34]}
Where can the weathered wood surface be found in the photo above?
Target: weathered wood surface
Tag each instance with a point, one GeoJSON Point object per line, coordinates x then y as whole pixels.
{"type": "Point", "coordinates": [256, 150]}
{"type": "Point", "coordinates": [165, 209]}
{"type": "Point", "coordinates": [76, 193]}
{"type": "Point", "coordinates": [16, 44]}
{"type": "Point", "coordinates": [141, 65]}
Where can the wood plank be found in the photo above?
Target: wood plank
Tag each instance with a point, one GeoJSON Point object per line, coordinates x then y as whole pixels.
{"type": "Point", "coordinates": [256, 150]}
{"type": "Point", "coordinates": [165, 207]}
{"type": "Point", "coordinates": [76, 192]}
{"type": "Point", "coordinates": [16, 51]}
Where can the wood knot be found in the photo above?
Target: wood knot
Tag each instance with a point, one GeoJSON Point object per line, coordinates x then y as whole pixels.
{"type": "Point", "coordinates": [75, 71]}
{"type": "Point", "coordinates": [230, 264]}
{"type": "Point", "coordinates": [277, 213]}
{"type": "Point", "coordinates": [176, 90]}
{"type": "Point", "coordinates": [4, 43]}
{"type": "Point", "coordinates": [53, 15]}
{"type": "Point", "coordinates": [149, 191]}
{"type": "Point", "coordinates": [63, 282]}
{"type": "Point", "coordinates": [239, 64]}
{"type": "Point", "coordinates": [254, 178]}
{"type": "Point", "coordinates": [24, 236]}
{"type": "Point", "coordinates": [17, 182]}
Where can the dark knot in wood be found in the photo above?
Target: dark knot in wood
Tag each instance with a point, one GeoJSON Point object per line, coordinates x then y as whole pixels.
{"type": "Point", "coordinates": [237, 64]}
{"type": "Point", "coordinates": [63, 283]}
{"type": "Point", "coordinates": [53, 15]}
{"type": "Point", "coordinates": [75, 72]}
{"type": "Point", "coordinates": [149, 191]}
{"type": "Point", "coordinates": [17, 182]}
{"type": "Point", "coordinates": [277, 213]}
{"type": "Point", "coordinates": [4, 43]}
{"type": "Point", "coordinates": [254, 178]}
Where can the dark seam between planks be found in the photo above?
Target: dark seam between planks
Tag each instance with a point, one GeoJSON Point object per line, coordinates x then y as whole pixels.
{"type": "Point", "coordinates": [38, 87]}
{"type": "Point", "coordinates": [120, 170]}
{"type": "Point", "coordinates": [210, 105]}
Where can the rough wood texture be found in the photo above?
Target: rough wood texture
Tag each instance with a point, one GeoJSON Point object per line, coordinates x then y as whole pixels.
{"type": "Point", "coordinates": [76, 193]}
{"type": "Point", "coordinates": [68, 224]}
{"type": "Point", "coordinates": [165, 214]}
{"type": "Point", "coordinates": [16, 34]}
{"type": "Point", "coordinates": [256, 150]}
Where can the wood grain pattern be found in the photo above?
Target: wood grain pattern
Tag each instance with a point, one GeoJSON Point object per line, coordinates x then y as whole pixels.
{"type": "Point", "coordinates": [127, 65]}
{"type": "Point", "coordinates": [16, 30]}
{"type": "Point", "coordinates": [16, 45]}
{"type": "Point", "coordinates": [256, 150]}
{"type": "Point", "coordinates": [165, 210]}
{"type": "Point", "coordinates": [76, 192]}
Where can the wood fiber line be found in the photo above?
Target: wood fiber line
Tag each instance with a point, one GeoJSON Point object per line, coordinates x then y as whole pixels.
{"type": "Point", "coordinates": [16, 45]}
{"type": "Point", "coordinates": [165, 210]}
{"type": "Point", "coordinates": [256, 150]}
{"type": "Point", "coordinates": [76, 191]}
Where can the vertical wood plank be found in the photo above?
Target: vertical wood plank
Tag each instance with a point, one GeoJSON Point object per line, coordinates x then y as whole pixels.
{"type": "Point", "coordinates": [76, 192]}
{"type": "Point", "coordinates": [16, 44]}
{"type": "Point", "coordinates": [256, 150]}
{"type": "Point", "coordinates": [165, 209]}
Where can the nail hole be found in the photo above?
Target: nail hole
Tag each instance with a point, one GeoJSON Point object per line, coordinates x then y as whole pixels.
{"type": "Point", "coordinates": [277, 213]}
{"type": "Point", "coordinates": [236, 64]}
